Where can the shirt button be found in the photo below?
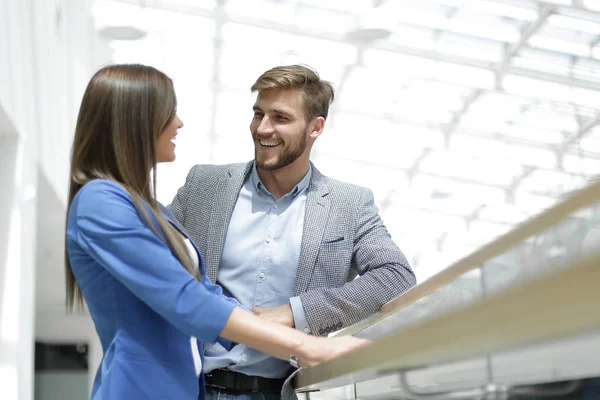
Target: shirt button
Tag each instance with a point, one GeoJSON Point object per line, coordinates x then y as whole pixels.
{"type": "Point", "coordinates": [262, 275]}
{"type": "Point", "coordinates": [275, 205]}
{"type": "Point", "coordinates": [306, 330]}
{"type": "Point", "coordinates": [268, 240]}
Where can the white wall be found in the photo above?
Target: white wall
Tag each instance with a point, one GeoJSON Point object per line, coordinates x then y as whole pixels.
{"type": "Point", "coordinates": [46, 60]}
{"type": "Point", "coordinates": [48, 51]}
{"type": "Point", "coordinates": [17, 265]}
{"type": "Point", "coordinates": [18, 150]}
{"type": "Point", "coordinates": [63, 45]}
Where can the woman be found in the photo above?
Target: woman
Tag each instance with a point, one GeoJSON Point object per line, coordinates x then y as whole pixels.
{"type": "Point", "coordinates": [142, 279]}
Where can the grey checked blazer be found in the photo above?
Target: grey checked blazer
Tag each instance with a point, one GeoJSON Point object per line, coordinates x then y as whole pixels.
{"type": "Point", "coordinates": [343, 236]}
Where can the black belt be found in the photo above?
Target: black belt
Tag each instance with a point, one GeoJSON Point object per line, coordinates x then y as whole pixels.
{"type": "Point", "coordinates": [237, 382]}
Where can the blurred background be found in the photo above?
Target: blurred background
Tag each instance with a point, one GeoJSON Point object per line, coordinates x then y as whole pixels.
{"type": "Point", "coordinates": [464, 117]}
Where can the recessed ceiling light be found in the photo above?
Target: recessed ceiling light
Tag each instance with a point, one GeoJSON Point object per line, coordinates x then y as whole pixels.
{"type": "Point", "coordinates": [367, 35]}
{"type": "Point", "coordinates": [440, 194]}
{"type": "Point", "coordinates": [122, 33]}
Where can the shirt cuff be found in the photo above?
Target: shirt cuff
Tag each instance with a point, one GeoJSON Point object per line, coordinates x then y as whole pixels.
{"type": "Point", "coordinates": [299, 315]}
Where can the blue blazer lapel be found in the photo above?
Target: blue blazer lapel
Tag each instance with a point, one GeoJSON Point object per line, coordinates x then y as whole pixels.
{"type": "Point", "coordinates": [171, 218]}
{"type": "Point", "coordinates": [226, 194]}
{"type": "Point", "coordinates": [315, 219]}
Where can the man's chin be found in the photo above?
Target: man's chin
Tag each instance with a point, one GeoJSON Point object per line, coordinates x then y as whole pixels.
{"type": "Point", "coordinates": [267, 166]}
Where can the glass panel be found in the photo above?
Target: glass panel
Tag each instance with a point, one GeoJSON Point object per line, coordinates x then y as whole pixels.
{"type": "Point", "coordinates": [592, 4]}
{"type": "Point", "coordinates": [420, 14]}
{"type": "Point", "coordinates": [228, 150]}
{"type": "Point", "coordinates": [561, 2]}
{"type": "Point", "coordinates": [586, 24]}
{"type": "Point", "coordinates": [234, 113]}
{"type": "Point", "coordinates": [323, 20]}
{"type": "Point", "coordinates": [529, 133]}
{"type": "Point", "coordinates": [361, 146]}
{"type": "Point", "coordinates": [187, 4]}
{"type": "Point", "coordinates": [503, 213]}
{"type": "Point", "coordinates": [485, 26]}
{"type": "Point", "coordinates": [354, 6]}
{"type": "Point", "coordinates": [537, 88]}
{"type": "Point", "coordinates": [282, 13]}
{"type": "Point", "coordinates": [580, 164]}
{"type": "Point", "coordinates": [466, 46]}
{"type": "Point", "coordinates": [526, 12]}
{"type": "Point", "coordinates": [588, 69]}
{"type": "Point", "coordinates": [551, 183]}
{"type": "Point", "coordinates": [559, 45]}
{"type": "Point", "coordinates": [506, 154]}
{"type": "Point", "coordinates": [541, 65]}
{"type": "Point", "coordinates": [428, 68]}
{"type": "Point", "coordinates": [482, 169]}
{"type": "Point", "coordinates": [414, 37]}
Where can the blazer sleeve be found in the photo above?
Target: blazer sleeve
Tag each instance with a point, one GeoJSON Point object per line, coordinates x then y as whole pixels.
{"type": "Point", "coordinates": [385, 274]}
{"type": "Point", "coordinates": [112, 231]}
{"type": "Point", "coordinates": [179, 203]}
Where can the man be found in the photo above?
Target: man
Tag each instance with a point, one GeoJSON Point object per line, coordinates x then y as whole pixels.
{"type": "Point", "coordinates": [282, 238]}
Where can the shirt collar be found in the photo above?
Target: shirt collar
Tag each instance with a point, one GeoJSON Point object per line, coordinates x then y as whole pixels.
{"type": "Point", "coordinates": [300, 187]}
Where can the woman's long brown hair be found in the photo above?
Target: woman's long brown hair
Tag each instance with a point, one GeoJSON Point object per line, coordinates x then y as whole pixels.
{"type": "Point", "coordinates": [123, 110]}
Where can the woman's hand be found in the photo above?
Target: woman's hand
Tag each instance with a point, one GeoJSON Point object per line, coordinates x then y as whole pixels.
{"type": "Point", "coordinates": [281, 341]}
{"type": "Point", "coordinates": [315, 350]}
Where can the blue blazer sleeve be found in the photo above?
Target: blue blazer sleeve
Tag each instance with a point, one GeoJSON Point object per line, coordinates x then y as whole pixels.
{"type": "Point", "coordinates": [111, 230]}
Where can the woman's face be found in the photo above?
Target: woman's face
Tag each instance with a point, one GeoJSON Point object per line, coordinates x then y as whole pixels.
{"type": "Point", "coordinates": [165, 142]}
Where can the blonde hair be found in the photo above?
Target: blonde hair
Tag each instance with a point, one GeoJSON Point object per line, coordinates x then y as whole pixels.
{"type": "Point", "coordinates": [318, 94]}
{"type": "Point", "coordinates": [123, 110]}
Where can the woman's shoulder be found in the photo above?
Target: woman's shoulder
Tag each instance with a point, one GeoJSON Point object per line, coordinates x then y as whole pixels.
{"type": "Point", "coordinates": [101, 196]}
{"type": "Point", "coordinates": [97, 189]}
{"type": "Point", "coordinates": [96, 200]}
{"type": "Point", "coordinates": [101, 185]}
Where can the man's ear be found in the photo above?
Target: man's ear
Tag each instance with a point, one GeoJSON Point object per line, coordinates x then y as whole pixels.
{"type": "Point", "coordinates": [316, 127]}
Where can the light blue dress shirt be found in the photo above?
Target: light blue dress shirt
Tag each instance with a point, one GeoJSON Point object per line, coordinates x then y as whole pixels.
{"type": "Point", "coordinates": [258, 267]}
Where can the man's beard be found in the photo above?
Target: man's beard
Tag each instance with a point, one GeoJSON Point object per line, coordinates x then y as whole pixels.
{"type": "Point", "coordinates": [289, 156]}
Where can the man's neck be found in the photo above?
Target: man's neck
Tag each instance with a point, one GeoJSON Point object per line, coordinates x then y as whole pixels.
{"type": "Point", "coordinates": [281, 181]}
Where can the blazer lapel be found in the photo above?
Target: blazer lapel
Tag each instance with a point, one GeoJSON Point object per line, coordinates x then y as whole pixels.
{"type": "Point", "coordinates": [315, 219]}
{"type": "Point", "coordinates": [226, 194]}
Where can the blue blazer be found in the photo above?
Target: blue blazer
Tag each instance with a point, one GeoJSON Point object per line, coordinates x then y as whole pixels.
{"type": "Point", "coordinates": [144, 304]}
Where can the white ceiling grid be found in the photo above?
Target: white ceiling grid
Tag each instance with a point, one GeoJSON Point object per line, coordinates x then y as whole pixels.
{"type": "Point", "coordinates": [464, 117]}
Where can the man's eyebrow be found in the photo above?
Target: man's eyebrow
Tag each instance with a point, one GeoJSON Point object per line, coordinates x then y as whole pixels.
{"type": "Point", "coordinates": [283, 112]}
{"type": "Point", "coordinates": [275, 110]}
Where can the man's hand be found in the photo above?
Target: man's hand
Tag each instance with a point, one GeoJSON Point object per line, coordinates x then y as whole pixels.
{"type": "Point", "coordinates": [279, 314]}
